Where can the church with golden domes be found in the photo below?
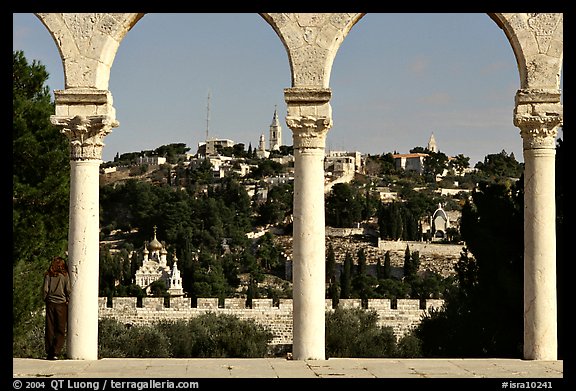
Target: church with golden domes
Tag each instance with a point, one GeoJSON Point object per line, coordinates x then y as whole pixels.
{"type": "Point", "coordinates": [154, 268]}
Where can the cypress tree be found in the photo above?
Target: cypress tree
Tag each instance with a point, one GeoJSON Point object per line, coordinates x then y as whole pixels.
{"type": "Point", "coordinates": [346, 277]}
{"type": "Point", "coordinates": [387, 270]}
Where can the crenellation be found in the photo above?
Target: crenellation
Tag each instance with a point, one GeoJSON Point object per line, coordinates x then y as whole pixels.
{"type": "Point", "coordinates": [350, 303]}
{"type": "Point", "coordinates": [407, 304]}
{"type": "Point", "coordinates": [261, 303]}
{"type": "Point", "coordinates": [211, 302]}
{"type": "Point", "coordinates": [379, 304]}
{"type": "Point", "coordinates": [234, 303]}
{"type": "Point", "coordinates": [180, 302]}
{"type": "Point", "coordinates": [156, 303]}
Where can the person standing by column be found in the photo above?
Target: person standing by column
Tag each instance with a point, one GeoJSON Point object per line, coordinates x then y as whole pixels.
{"type": "Point", "coordinates": [56, 293]}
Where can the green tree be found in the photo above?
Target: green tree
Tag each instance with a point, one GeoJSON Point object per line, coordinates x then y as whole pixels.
{"type": "Point", "coordinates": [489, 270]}
{"type": "Point", "coordinates": [386, 268]}
{"type": "Point", "coordinates": [343, 206]}
{"type": "Point", "coordinates": [434, 164]}
{"type": "Point", "coordinates": [278, 206]}
{"type": "Point", "coordinates": [362, 282]}
{"type": "Point", "coordinates": [411, 263]}
{"type": "Point", "coordinates": [346, 277]}
{"type": "Point", "coordinates": [40, 189]}
{"type": "Point", "coordinates": [355, 333]}
{"type": "Point", "coordinates": [500, 166]}
{"type": "Point", "coordinates": [459, 163]}
{"type": "Point", "coordinates": [266, 168]}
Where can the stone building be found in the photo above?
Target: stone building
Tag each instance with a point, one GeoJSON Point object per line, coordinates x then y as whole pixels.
{"type": "Point", "coordinates": [155, 268]}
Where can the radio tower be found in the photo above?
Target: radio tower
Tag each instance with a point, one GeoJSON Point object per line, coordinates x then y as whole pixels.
{"type": "Point", "coordinates": [208, 116]}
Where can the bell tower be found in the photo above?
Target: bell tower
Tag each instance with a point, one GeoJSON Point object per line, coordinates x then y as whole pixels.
{"type": "Point", "coordinates": [275, 133]}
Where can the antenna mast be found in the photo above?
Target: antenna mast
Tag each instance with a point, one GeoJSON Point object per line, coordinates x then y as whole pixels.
{"type": "Point", "coordinates": [207, 115]}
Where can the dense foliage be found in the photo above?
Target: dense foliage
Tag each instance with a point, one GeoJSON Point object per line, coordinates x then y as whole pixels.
{"type": "Point", "coordinates": [208, 335]}
{"type": "Point", "coordinates": [40, 190]}
{"type": "Point", "coordinates": [354, 332]}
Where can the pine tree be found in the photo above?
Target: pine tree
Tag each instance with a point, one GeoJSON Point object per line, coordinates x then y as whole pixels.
{"type": "Point", "coordinates": [40, 188]}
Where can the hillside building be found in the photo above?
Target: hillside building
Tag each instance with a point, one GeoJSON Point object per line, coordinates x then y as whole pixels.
{"type": "Point", "coordinates": [154, 268]}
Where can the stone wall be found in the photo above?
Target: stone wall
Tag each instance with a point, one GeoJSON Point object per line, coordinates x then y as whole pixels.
{"type": "Point", "coordinates": [406, 314]}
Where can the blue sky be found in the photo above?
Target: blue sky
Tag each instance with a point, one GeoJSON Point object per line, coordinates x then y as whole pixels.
{"type": "Point", "coordinates": [396, 79]}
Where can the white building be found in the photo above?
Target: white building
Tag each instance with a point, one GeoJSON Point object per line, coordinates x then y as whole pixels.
{"type": "Point", "coordinates": [410, 161]}
{"type": "Point", "coordinates": [154, 160]}
{"type": "Point", "coordinates": [154, 268]}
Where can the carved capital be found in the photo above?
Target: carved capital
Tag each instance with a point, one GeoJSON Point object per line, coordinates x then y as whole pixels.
{"type": "Point", "coordinates": [86, 134]}
{"type": "Point", "coordinates": [538, 114]}
{"type": "Point", "coordinates": [309, 131]}
{"type": "Point", "coordinates": [538, 132]}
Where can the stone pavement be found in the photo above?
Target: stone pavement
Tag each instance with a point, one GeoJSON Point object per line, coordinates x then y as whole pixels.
{"type": "Point", "coordinates": [333, 368]}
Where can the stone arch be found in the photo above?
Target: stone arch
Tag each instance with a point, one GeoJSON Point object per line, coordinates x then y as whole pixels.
{"type": "Point", "coordinates": [311, 42]}
{"type": "Point", "coordinates": [87, 44]}
{"type": "Point", "coordinates": [537, 42]}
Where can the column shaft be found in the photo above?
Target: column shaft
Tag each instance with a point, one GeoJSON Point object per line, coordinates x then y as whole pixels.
{"type": "Point", "coordinates": [538, 114]}
{"type": "Point", "coordinates": [540, 312]}
{"type": "Point", "coordinates": [309, 255]}
{"type": "Point", "coordinates": [309, 117]}
{"type": "Point", "coordinates": [85, 116]}
{"type": "Point", "coordinates": [83, 255]}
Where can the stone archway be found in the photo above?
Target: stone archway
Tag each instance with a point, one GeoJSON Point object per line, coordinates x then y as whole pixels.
{"type": "Point", "coordinates": [84, 110]}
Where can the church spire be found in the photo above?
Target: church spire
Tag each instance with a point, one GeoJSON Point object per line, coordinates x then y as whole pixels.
{"type": "Point", "coordinates": [275, 132]}
{"type": "Point", "coordinates": [432, 147]}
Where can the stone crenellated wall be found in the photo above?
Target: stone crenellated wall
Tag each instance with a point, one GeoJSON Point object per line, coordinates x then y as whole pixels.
{"type": "Point", "coordinates": [278, 318]}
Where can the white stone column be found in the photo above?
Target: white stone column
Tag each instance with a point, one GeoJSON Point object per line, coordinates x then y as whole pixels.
{"type": "Point", "coordinates": [538, 114]}
{"type": "Point", "coordinates": [85, 134]}
{"type": "Point", "coordinates": [309, 117]}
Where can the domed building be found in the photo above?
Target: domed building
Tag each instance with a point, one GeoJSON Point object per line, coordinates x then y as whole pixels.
{"type": "Point", "coordinates": [154, 268]}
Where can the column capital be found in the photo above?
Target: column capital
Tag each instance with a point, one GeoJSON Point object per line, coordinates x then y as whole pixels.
{"type": "Point", "coordinates": [86, 134]}
{"type": "Point", "coordinates": [309, 115]}
{"type": "Point", "coordinates": [309, 131]}
{"type": "Point", "coordinates": [538, 114]}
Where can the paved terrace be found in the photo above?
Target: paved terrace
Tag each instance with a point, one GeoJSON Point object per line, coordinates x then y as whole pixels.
{"type": "Point", "coordinates": [548, 373]}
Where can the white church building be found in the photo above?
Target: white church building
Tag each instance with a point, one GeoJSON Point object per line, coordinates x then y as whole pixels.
{"type": "Point", "coordinates": [154, 268]}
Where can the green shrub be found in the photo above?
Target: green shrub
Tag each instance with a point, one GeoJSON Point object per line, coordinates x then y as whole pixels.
{"type": "Point", "coordinates": [409, 346]}
{"type": "Point", "coordinates": [354, 332]}
{"type": "Point", "coordinates": [28, 342]}
{"type": "Point", "coordinates": [111, 338]}
{"type": "Point", "coordinates": [118, 340]}
{"type": "Point", "coordinates": [208, 335]}
{"type": "Point", "coordinates": [212, 335]}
